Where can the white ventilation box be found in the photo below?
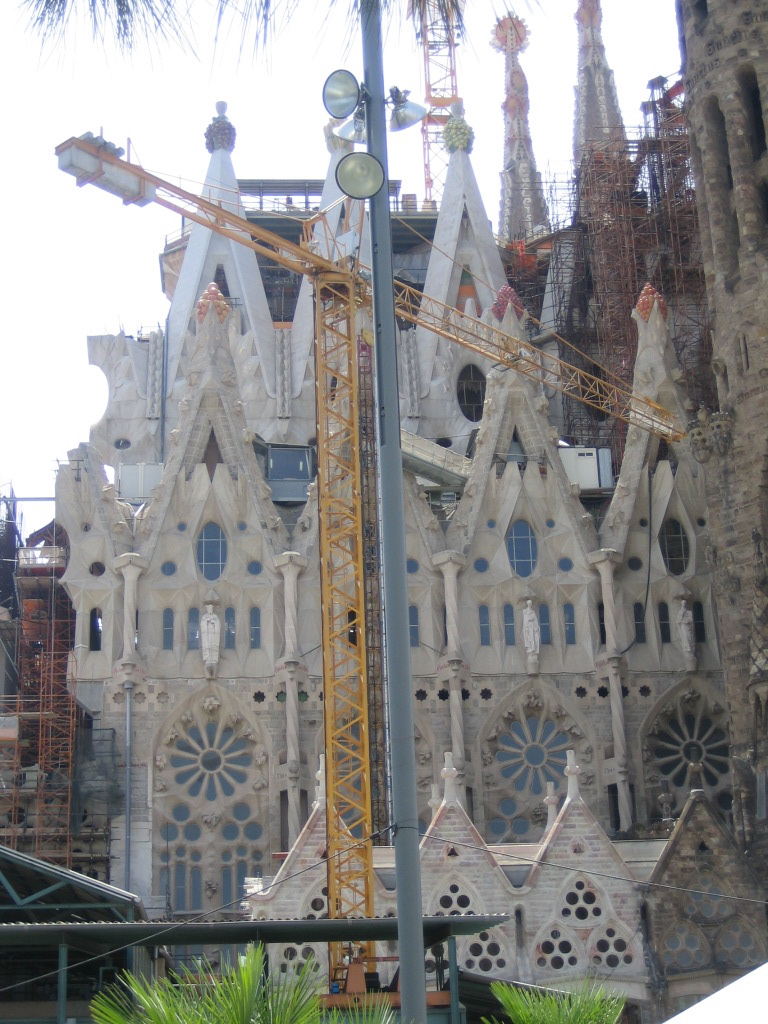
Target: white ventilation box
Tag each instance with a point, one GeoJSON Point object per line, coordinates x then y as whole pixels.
{"type": "Point", "coordinates": [590, 468]}
{"type": "Point", "coordinates": [135, 482]}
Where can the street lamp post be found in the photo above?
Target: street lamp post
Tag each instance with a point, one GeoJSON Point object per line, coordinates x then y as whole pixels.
{"type": "Point", "coordinates": [402, 749]}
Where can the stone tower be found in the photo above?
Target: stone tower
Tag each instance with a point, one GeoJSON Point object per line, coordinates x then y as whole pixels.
{"type": "Point", "coordinates": [725, 66]}
{"type": "Point", "coordinates": [597, 115]}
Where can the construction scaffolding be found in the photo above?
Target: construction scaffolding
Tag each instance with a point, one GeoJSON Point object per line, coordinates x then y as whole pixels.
{"type": "Point", "coordinates": [49, 805]}
{"type": "Point", "coordinates": [630, 219]}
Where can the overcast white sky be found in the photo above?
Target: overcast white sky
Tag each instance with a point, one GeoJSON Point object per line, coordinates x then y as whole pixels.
{"type": "Point", "coordinates": [78, 263]}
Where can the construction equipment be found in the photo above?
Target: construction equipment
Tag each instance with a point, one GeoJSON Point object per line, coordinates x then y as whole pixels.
{"type": "Point", "coordinates": [342, 296]}
{"type": "Point", "coordinates": [437, 37]}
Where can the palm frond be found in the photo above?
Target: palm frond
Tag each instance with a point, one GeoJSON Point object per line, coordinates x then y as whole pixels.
{"type": "Point", "coordinates": [126, 21]}
{"type": "Point", "coordinates": [589, 1004]}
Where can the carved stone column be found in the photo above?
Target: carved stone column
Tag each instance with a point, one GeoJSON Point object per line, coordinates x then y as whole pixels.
{"type": "Point", "coordinates": [450, 563]}
{"type": "Point", "coordinates": [290, 564]}
{"type": "Point", "coordinates": [604, 561]}
{"type": "Point", "coordinates": [131, 565]}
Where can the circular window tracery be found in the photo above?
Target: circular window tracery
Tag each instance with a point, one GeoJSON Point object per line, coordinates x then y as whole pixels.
{"type": "Point", "coordinates": [533, 753]}
{"type": "Point", "coordinates": [684, 948]}
{"type": "Point", "coordinates": [736, 945]}
{"type": "Point", "coordinates": [485, 954]}
{"type": "Point", "coordinates": [557, 951]}
{"type": "Point", "coordinates": [611, 949]}
{"type": "Point", "coordinates": [705, 901]}
{"type": "Point", "coordinates": [691, 739]}
{"type": "Point", "coordinates": [582, 902]}
{"type": "Point", "coordinates": [211, 761]}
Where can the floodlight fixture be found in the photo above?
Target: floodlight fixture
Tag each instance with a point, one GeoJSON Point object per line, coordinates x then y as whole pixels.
{"type": "Point", "coordinates": [405, 112]}
{"type": "Point", "coordinates": [359, 175]}
{"type": "Point", "coordinates": [341, 93]}
{"type": "Point", "coordinates": [353, 130]}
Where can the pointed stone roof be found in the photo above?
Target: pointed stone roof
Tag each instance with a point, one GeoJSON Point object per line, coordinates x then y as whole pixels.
{"type": "Point", "coordinates": [463, 241]}
{"type": "Point", "coordinates": [206, 250]}
{"type": "Point", "coordinates": [523, 206]}
{"type": "Point", "coordinates": [597, 116]}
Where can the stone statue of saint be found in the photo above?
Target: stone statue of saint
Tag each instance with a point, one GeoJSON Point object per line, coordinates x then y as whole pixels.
{"type": "Point", "coordinates": [531, 631]}
{"type": "Point", "coordinates": [210, 638]}
{"type": "Point", "coordinates": [685, 632]}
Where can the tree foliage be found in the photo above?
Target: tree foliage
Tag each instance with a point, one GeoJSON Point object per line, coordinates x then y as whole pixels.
{"type": "Point", "coordinates": [589, 1004]}
{"type": "Point", "coordinates": [243, 995]}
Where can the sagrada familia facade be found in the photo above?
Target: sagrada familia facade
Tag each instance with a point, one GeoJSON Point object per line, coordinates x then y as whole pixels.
{"type": "Point", "coordinates": [588, 624]}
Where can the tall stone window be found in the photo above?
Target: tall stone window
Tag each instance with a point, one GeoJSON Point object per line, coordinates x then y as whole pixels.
{"type": "Point", "coordinates": [167, 629]}
{"type": "Point", "coordinates": [413, 625]}
{"type": "Point", "coordinates": [675, 547]}
{"type": "Point", "coordinates": [665, 632]}
{"type": "Point", "coordinates": [193, 629]}
{"type": "Point", "coordinates": [522, 548]}
{"type": "Point", "coordinates": [509, 625]}
{"type": "Point", "coordinates": [470, 392]}
{"type": "Point", "coordinates": [254, 628]}
{"type": "Point", "coordinates": [569, 623]}
{"type": "Point", "coordinates": [638, 613]}
{"type": "Point", "coordinates": [211, 551]}
{"type": "Point", "coordinates": [94, 630]}
{"type": "Point", "coordinates": [484, 618]}
{"type": "Point", "coordinates": [229, 629]}
{"type": "Point", "coordinates": [545, 626]}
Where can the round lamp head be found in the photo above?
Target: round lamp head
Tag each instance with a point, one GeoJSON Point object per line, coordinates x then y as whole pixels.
{"type": "Point", "coordinates": [359, 175]}
{"type": "Point", "coordinates": [341, 93]}
{"type": "Point", "coordinates": [405, 114]}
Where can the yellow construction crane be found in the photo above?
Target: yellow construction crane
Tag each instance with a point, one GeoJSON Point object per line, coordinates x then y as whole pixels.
{"type": "Point", "coordinates": [341, 293]}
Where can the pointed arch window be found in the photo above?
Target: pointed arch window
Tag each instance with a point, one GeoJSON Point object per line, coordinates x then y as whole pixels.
{"type": "Point", "coordinates": [699, 629]}
{"type": "Point", "coordinates": [675, 546]}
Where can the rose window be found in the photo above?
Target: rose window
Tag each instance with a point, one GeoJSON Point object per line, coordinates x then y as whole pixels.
{"type": "Point", "coordinates": [211, 761]}
{"type": "Point", "coordinates": [532, 754]}
{"type": "Point", "coordinates": [454, 902]}
{"type": "Point", "coordinates": [684, 948]}
{"type": "Point", "coordinates": [556, 951]}
{"type": "Point", "coordinates": [707, 903]}
{"type": "Point", "coordinates": [611, 949]}
{"type": "Point", "coordinates": [581, 902]}
{"type": "Point", "coordinates": [736, 945]}
{"type": "Point", "coordinates": [294, 959]}
{"type": "Point", "coordinates": [691, 739]}
{"type": "Point", "coordinates": [318, 907]}
{"type": "Point", "coordinates": [485, 954]}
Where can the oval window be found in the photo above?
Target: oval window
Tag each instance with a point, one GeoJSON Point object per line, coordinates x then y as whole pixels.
{"type": "Point", "coordinates": [522, 548]}
{"type": "Point", "coordinates": [470, 392]}
{"type": "Point", "coordinates": [211, 551]}
{"type": "Point", "coordinates": [675, 548]}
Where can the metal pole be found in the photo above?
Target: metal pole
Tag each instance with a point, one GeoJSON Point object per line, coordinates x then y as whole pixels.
{"type": "Point", "coordinates": [403, 758]}
{"type": "Point", "coordinates": [61, 981]}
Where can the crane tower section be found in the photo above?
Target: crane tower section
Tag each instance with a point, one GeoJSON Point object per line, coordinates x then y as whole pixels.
{"type": "Point", "coordinates": [438, 36]}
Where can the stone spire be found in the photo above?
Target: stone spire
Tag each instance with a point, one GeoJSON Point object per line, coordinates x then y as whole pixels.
{"type": "Point", "coordinates": [522, 201]}
{"type": "Point", "coordinates": [597, 116]}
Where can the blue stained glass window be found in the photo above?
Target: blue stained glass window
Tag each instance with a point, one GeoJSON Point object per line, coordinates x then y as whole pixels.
{"type": "Point", "coordinates": [481, 565]}
{"type": "Point", "coordinates": [569, 622]}
{"type": "Point", "coordinates": [211, 551]}
{"type": "Point", "coordinates": [254, 567]}
{"type": "Point", "coordinates": [664, 630]}
{"type": "Point", "coordinates": [413, 625]}
{"type": "Point", "coordinates": [485, 625]}
{"type": "Point", "coordinates": [545, 628]}
{"type": "Point", "coordinates": [565, 565]}
{"type": "Point", "coordinates": [193, 629]}
{"type": "Point", "coordinates": [229, 629]}
{"type": "Point", "coordinates": [522, 548]}
{"type": "Point", "coordinates": [167, 629]}
{"type": "Point", "coordinates": [254, 628]}
{"type": "Point", "coordinates": [509, 625]}
{"type": "Point", "coordinates": [412, 565]}
{"type": "Point", "coordinates": [639, 616]}
{"type": "Point", "coordinates": [168, 568]}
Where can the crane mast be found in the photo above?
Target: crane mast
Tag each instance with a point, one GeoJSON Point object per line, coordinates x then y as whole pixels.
{"type": "Point", "coordinates": [438, 37]}
{"type": "Point", "coordinates": [342, 360]}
